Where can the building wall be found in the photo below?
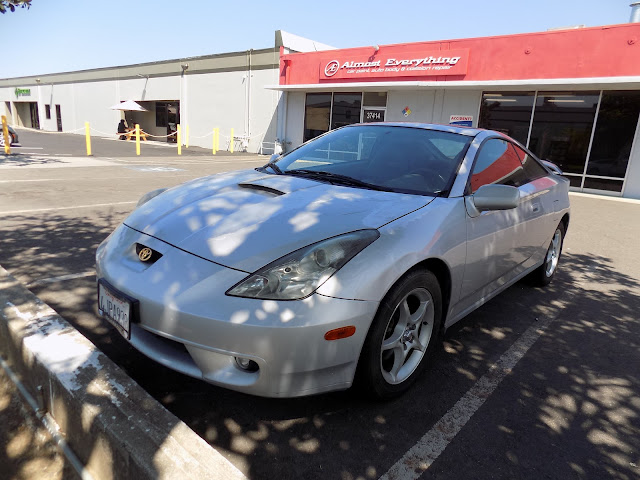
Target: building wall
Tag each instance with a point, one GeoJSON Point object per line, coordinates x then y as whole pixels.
{"type": "Point", "coordinates": [420, 102]}
{"type": "Point", "coordinates": [214, 91]}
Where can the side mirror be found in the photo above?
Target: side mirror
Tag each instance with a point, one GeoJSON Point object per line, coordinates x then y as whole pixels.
{"type": "Point", "coordinates": [495, 197]}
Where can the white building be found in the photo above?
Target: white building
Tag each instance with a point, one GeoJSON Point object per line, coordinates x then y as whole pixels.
{"type": "Point", "coordinates": [224, 91]}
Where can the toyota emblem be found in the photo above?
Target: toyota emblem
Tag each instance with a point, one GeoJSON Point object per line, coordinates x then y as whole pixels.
{"type": "Point", "coordinates": [332, 68]}
{"type": "Point", "coordinates": [145, 254]}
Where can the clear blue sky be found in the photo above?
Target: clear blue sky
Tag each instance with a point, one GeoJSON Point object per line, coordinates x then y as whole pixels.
{"type": "Point", "coordinates": [65, 35]}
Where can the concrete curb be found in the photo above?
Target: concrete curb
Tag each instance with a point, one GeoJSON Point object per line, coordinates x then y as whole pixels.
{"type": "Point", "coordinates": [117, 429]}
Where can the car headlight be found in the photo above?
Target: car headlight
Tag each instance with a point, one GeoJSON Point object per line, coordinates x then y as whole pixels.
{"type": "Point", "coordinates": [149, 195]}
{"type": "Point", "coordinates": [300, 273]}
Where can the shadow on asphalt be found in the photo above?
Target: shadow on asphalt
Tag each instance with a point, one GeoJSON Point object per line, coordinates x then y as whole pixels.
{"type": "Point", "coordinates": [575, 394]}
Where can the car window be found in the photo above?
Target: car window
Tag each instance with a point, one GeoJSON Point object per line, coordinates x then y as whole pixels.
{"type": "Point", "coordinates": [531, 166]}
{"type": "Point", "coordinates": [396, 158]}
{"type": "Point", "coordinates": [497, 162]}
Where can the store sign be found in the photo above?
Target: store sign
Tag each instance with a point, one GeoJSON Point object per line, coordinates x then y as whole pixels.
{"type": "Point", "coordinates": [23, 92]}
{"type": "Point", "coordinates": [461, 120]}
{"type": "Point", "coordinates": [412, 64]}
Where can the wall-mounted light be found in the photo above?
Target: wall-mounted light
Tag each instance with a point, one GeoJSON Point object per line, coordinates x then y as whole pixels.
{"type": "Point", "coordinates": [184, 66]}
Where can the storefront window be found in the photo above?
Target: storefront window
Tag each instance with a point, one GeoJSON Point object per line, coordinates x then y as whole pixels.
{"type": "Point", "coordinates": [346, 109]}
{"type": "Point", "coordinates": [316, 115]}
{"type": "Point", "coordinates": [375, 99]}
{"type": "Point", "coordinates": [562, 126]}
{"type": "Point", "coordinates": [613, 137]}
{"type": "Point", "coordinates": [507, 112]}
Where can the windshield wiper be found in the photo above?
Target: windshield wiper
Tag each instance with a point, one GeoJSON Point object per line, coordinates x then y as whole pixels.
{"type": "Point", "coordinates": [273, 166]}
{"type": "Point", "coordinates": [335, 178]}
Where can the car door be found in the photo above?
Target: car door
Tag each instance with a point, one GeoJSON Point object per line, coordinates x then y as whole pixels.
{"type": "Point", "coordinates": [497, 243]}
{"type": "Point", "coordinates": [538, 204]}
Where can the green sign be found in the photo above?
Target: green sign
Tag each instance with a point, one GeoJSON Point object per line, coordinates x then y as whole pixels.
{"type": "Point", "coordinates": [23, 92]}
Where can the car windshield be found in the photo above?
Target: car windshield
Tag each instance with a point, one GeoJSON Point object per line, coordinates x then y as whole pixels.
{"type": "Point", "coordinates": [380, 157]}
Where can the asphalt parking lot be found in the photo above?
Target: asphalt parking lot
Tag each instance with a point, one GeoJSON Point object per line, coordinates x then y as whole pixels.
{"type": "Point", "coordinates": [538, 383]}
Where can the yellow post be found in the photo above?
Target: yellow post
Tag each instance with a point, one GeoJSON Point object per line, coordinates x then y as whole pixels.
{"type": "Point", "coordinates": [137, 139]}
{"type": "Point", "coordinates": [231, 142]}
{"type": "Point", "coordinates": [87, 131]}
{"type": "Point", "coordinates": [5, 134]}
{"type": "Point", "coordinates": [213, 141]}
{"type": "Point", "coordinates": [179, 140]}
{"type": "Point", "coordinates": [186, 143]}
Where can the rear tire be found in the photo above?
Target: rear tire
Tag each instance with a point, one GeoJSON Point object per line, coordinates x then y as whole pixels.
{"type": "Point", "coordinates": [403, 335]}
{"type": "Point", "coordinates": [543, 275]}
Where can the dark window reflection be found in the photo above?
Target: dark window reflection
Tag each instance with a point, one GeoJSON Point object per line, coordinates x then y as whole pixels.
{"type": "Point", "coordinates": [346, 109]}
{"type": "Point", "coordinates": [603, 184]}
{"type": "Point", "coordinates": [575, 181]}
{"type": "Point", "coordinates": [316, 115]}
{"type": "Point", "coordinates": [507, 112]}
{"type": "Point", "coordinates": [615, 128]}
{"type": "Point", "coordinates": [531, 166]}
{"type": "Point", "coordinates": [562, 126]}
{"type": "Point", "coordinates": [497, 163]}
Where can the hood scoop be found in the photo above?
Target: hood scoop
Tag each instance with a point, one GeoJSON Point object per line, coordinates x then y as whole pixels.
{"type": "Point", "coordinates": [278, 184]}
{"type": "Point", "coordinates": [261, 188]}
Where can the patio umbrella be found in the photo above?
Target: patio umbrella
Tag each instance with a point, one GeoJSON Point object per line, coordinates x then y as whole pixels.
{"type": "Point", "coordinates": [129, 106]}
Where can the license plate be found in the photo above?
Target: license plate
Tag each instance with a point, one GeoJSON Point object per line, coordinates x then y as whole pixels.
{"type": "Point", "coordinates": [116, 307]}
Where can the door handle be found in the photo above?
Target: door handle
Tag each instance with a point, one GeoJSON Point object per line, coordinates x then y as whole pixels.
{"type": "Point", "coordinates": [535, 207]}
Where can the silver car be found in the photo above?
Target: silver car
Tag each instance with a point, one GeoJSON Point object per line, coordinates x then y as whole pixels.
{"type": "Point", "coordinates": [342, 261]}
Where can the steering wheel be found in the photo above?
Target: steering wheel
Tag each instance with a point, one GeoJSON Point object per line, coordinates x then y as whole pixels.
{"type": "Point", "coordinates": [433, 179]}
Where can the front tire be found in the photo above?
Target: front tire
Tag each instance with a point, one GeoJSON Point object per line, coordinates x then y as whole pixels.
{"type": "Point", "coordinates": [402, 337]}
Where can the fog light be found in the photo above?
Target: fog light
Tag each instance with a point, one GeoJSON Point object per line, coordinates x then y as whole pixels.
{"type": "Point", "coordinates": [246, 364]}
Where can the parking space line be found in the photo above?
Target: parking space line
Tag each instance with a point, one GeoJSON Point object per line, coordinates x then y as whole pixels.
{"type": "Point", "coordinates": [61, 278]}
{"type": "Point", "coordinates": [422, 455]}
{"type": "Point", "coordinates": [30, 180]}
{"type": "Point", "coordinates": [35, 210]}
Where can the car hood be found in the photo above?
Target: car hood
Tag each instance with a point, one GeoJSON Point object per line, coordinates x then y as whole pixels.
{"type": "Point", "coordinates": [246, 219]}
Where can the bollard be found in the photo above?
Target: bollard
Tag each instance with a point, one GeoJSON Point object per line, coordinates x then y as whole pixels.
{"type": "Point", "coordinates": [231, 142]}
{"type": "Point", "coordinates": [87, 131]}
{"type": "Point", "coordinates": [186, 142]}
{"type": "Point", "coordinates": [179, 139]}
{"type": "Point", "coordinates": [5, 134]}
{"type": "Point", "coordinates": [213, 142]}
{"type": "Point", "coordinates": [137, 139]}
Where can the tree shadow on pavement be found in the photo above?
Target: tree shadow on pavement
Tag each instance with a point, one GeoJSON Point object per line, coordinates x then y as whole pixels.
{"type": "Point", "coordinates": [577, 386]}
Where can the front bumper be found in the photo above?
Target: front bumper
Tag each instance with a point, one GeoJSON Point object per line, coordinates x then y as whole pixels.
{"type": "Point", "coordinates": [188, 324]}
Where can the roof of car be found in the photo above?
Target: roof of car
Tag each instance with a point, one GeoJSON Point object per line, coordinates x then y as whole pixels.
{"type": "Point", "coordinates": [469, 131]}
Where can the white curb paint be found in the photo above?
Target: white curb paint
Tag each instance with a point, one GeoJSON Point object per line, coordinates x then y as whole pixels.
{"type": "Point", "coordinates": [422, 455]}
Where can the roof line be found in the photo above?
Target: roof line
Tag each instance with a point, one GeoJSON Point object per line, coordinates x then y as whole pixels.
{"type": "Point", "coordinates": [459, 83]}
